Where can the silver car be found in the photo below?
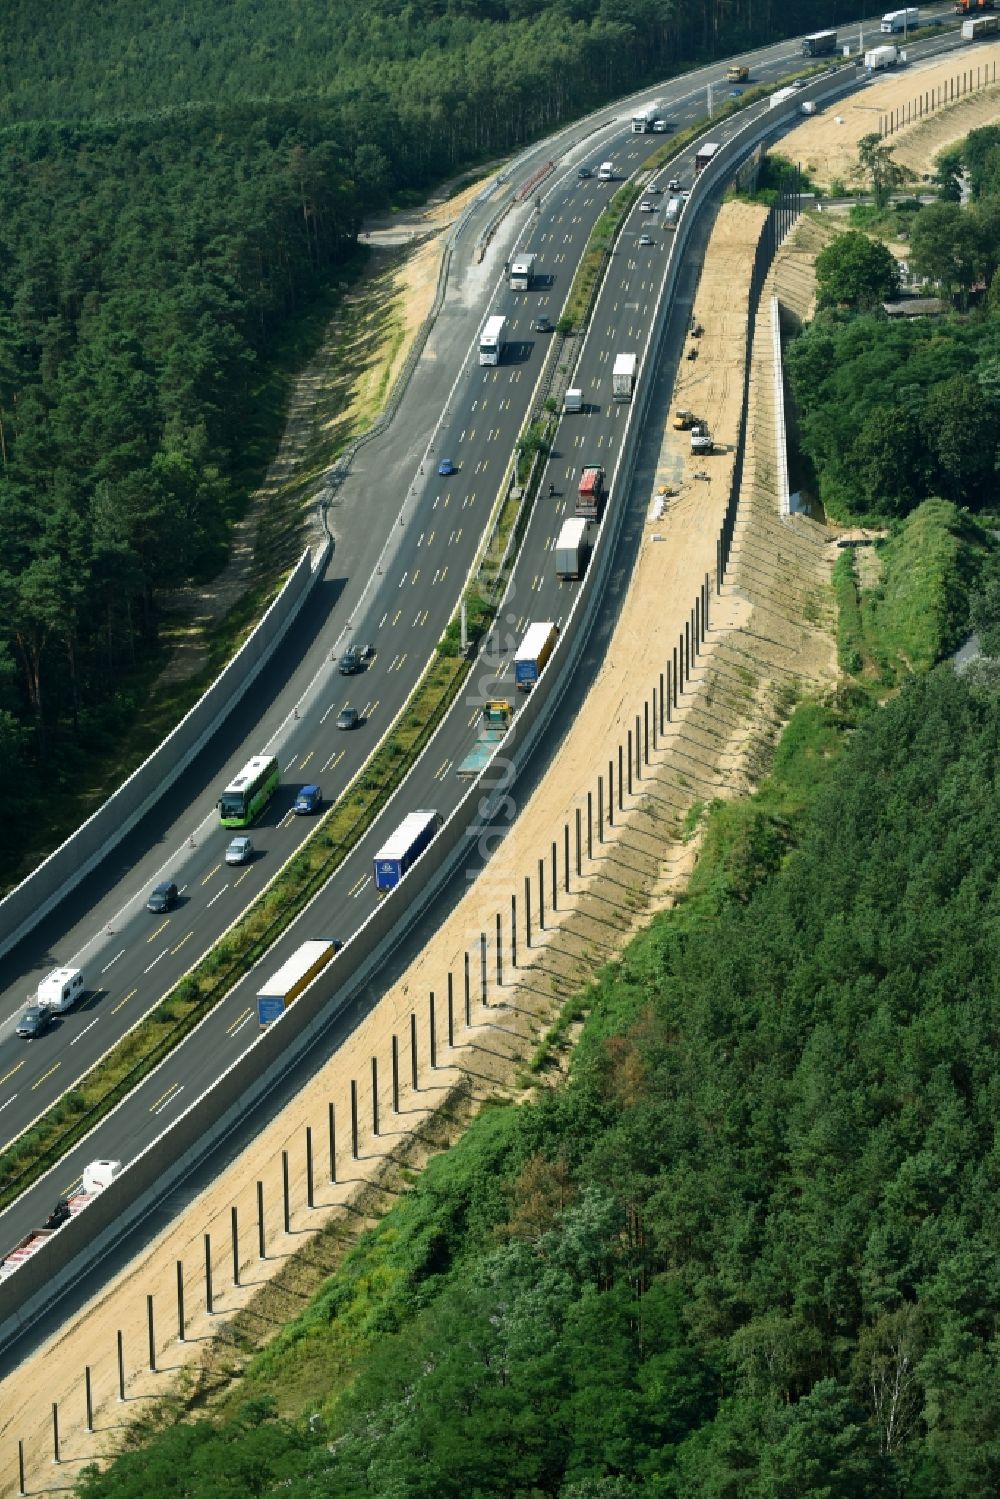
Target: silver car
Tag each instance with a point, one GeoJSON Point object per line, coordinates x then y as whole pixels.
{"type": "Point", "coordinates": [240, 850]}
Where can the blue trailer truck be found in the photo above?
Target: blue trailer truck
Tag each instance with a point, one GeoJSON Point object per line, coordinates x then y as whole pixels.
{"type": "Point", "coordinates": [404, 848]}
{"type": "Point", "coordinates": [532, 654]}
{"type": "Point", "coordinates": [291, 978]}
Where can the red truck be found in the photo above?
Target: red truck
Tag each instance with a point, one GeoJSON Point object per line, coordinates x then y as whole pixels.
{"type": "Point", "coordinates": [590, 495]}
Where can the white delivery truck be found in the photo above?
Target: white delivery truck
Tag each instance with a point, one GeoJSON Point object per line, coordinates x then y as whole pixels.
{"type": "Point", "coordinates": [881, 57]}
{"type": "Point", "coordinates": [672, 213]}
{"type": "Point", "coordinates": [900, 20]}
{"type": "Point", "coordinates": [522, 273]}
{"type": "Point", "coordinates": [606, 171]}
{"type": "Point", "coordinates": [493, 340]}
{"type": "Point", "coordinates": [572, 401]}
{"type": "Point", "coordinates": [623, 377]}
{"type": "Point", "coordinates": [571, 549]}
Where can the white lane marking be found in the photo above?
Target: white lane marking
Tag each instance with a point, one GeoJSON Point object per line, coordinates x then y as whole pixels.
{"type": "Point", "coordinates": [85, 1030]}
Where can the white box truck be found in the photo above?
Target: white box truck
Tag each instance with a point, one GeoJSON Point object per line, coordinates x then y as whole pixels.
{"type": "Point", "coordinates": [623, 377]}
{"type": "Point", "coordinates": [881, 57]}
{"type": "Point", "coordinates": [571, 549]}
{"type": "Point", "coordinates": [572, 401]}
{"type": "Point", "coordinates": [522, 273]}
{"type": "Point", "coordinates": [978, 26]}
{"type": "Point", "coordinates": [606, 171]}
{"type": "Point", "coordinates": [900, 20]}
{"type": "Point", "coordinates": [672, 213]}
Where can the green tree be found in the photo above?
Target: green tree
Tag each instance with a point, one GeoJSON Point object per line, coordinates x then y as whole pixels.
{"type": "Point", "coordinates": [876, 166]}
{"type": "Point", "coordinates": [857, 271]}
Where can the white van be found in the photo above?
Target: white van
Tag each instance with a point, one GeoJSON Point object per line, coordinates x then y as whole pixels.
{"type": "Point", "coordinates": [606, 171]}
{"type": "Point", "coordinates": [60, 989]}
{"type": "Point", "coordinates": [673, 213]}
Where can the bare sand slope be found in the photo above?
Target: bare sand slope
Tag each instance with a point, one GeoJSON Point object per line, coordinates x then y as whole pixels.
{"type": "Point", "coordinates": [827, 144]}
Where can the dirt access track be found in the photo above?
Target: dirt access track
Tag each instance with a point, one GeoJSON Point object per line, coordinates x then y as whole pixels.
{"type": "Point", "coordinates": [770, 635]}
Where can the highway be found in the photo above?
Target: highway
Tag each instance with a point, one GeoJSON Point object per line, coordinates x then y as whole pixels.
{"type": "Point", "coordinates": [131, 966]}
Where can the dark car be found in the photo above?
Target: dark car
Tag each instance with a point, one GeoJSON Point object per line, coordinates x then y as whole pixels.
{"type": "Point", "coordinates": [541, 325]}
{"type": "Point", "coordinates": [585, 172]}
{"type": "Point", "coordinates": [163, 897]}
{"type": "Point", "coordinates": [351, 662]}
{"type": "Point", "coordinates": [446, 468]}
{"type": "Point", "coordinates": [309, 799]}
{"type": "Point", "coordinates": [348, 718]}
{"type": "Point", "coordinates": [34, 1022]}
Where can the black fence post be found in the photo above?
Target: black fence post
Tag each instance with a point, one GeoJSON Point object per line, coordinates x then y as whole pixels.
{"type": "Point", "coordinates": [20, 1468]}
{"type": "Point", "coordinates": [541, 895]}
{"type": "Point", "coordinates": [468, 992]}
{"type": "Point", "coordinates": [413, 1052]}
{"type": "Point", "coordinates": [209, 1305]}
{"type": "Point", "coordinates": [55, 1432]}
{"type": "Point", "coordinates": [331, 1129]}
{"type": "Point", "coordinates": [180, 1301]}
{"type": "Point", "coordinates": [354, 1120]}
{"type": "Point", "coordinates": [234, 1234]}
{"type": "Point", "coordinates": [611, 793]}
{"type": "Point", "coordinates": [88, 1395]}
{"type": "Point", "coordinates": [310, 1194]}
{"type": "Point", "coordinates": [499, 951]}
{"type": "Point", "coordinates": [527, 911]}
{"type": "Point", "coordinates": [554, 867]}
{"type": "Point", "coordinates": [513, 931]}
{"type": "Point", "coordinates": [150, 1335]}
{"type": "Point", "coordinates": [482, 968]}
{"type": "Point", "coordinates": [451, 1012]}
{"type": "Point", "coordinates": [395, 1066]}
{"type": "Point", "coordinates": [261, 1246]}
{"type": "Point", "coordinates": [432, 1030]}
{"type": "Point", "coordinates": [121, 1366]}
{"type": "Point", "coordinates": [600, 812]}
{"type": "Point", "coordinates": [375, 1118]}
{"type": "Point", "coordinates": [286, 1205]}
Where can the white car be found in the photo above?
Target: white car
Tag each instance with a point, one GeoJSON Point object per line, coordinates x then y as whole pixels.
{"type": "Point", "coordinates": [239, 851]}
{"type": "Point", "coordinates": [645, 239]}
{"type": "Point", "coordinates": [646, 206]}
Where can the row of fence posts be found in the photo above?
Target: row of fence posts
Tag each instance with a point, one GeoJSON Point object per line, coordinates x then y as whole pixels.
{"type": "Point", "coordinates": [541, 896]}
{"type": "Point", "coordinates": [936, 98]}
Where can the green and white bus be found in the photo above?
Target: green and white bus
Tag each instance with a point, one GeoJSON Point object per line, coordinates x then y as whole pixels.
{"type": "Point", "coordinates": [250, 792]}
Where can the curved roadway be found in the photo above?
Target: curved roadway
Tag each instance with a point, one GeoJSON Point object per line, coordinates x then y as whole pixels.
{"type": "Point", "coordinates": [424, 564]}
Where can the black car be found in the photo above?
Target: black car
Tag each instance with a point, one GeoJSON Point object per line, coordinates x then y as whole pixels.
{"type": "Point", "coordinates": [163, 897]}
{"type": "Point", "coordinates": [34, 1022]}
{"type": "Point", "coordinates": [348, 718]}
{"type": "Point", "coordinates": [351, 662]}
{"type": "Point", "coordinates": [541, 325]}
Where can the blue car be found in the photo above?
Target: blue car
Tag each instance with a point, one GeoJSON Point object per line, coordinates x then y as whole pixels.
{"type": "Point", "coordinates": [446, 467]}
{"type": "Point", "coordinates": [309, 799]}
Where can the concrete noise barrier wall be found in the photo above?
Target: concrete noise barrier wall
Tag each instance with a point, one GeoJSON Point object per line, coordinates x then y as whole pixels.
{"type": "Point", "coordinates": [83, 850]}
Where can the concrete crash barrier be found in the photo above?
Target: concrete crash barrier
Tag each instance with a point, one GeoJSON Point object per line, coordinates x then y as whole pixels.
{"type": "Point", "coordinates": [63, 870]}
